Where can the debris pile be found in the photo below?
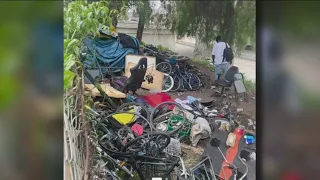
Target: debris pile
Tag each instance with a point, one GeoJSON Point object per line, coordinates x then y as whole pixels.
{"type": "Point", "coordinates": [139, 134]}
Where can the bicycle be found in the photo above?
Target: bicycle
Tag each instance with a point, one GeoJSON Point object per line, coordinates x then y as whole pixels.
{"type": "Point", "coordinates": [130, 152]}
{"type": "Point", "coordinates": [184, 80]}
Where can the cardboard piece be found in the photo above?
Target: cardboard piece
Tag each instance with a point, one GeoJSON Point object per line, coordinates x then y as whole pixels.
{"type": "Point", "coordinates": [151, 61]}
{"type": "Point", "coordinates": [110, 91]}
{"type": "Point", "coordinates": [156, 86]}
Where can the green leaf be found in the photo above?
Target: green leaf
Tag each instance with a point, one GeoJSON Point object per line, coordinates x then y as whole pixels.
{"type": "Point", "coordinates": [79, 24]}
{"type": "Point", "coordinates": [76, 51]}
{"type": "Point", "coordinates": [69, 61]}
{"type": "Point", "coordinates": [68, 79]}
{"type": "Point", "coordinates": [89, 15]}
{"type": "Point", "coordinates": [73, 42]}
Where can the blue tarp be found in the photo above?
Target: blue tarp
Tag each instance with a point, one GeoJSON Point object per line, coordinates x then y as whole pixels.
{"type": "Point", "coordinates": [107, 52]}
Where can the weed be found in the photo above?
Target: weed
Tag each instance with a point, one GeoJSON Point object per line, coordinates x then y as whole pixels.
{"type": "Point", "coordinates": [249, 84]}
{"type": "Point", "coordinates": [203, 63]}
{"type": "Point", "coordinates": [162, 48]}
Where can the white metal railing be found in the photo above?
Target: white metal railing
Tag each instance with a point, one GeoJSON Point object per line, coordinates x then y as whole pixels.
{"type": "Point", "coordinates": [73, 143]}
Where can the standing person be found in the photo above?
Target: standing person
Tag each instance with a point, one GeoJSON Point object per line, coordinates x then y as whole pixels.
{"type": "Point", "coordinates": [220, 61]}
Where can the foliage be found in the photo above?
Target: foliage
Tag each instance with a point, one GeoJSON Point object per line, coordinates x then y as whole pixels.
{"type": "Point", "coordinates": [80, 20]}
{"type": "Point", "coordinates": [245, 24]}
{"type": "Point", "coordinates": [162, 48]}
{"type": "Point", "coordinates": [142, 43]}
{"type": "Point", "coordinates": [203, 63]}
{"type": "Point", "coordinates": [249, 84]}
{"type": "Point", "coordinates": [119, 10]}
{"type": "Point", "coordinates": [144, 11]}
{"type": "Point", "coordinates": [233, 20]}
{"type": "Point", "coordinates": [165, 18]}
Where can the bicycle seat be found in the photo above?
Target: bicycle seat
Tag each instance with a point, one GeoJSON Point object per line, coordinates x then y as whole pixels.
{"type": "Point", "coordinates": [136, 78]}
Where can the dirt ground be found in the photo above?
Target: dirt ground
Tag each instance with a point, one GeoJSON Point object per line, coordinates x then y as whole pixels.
{"type": "Point", "coordinates": [192, 154]}
{"type": "Point", "coordinates": [248, 109]}
{"type": "Point", "coordinates": [245, 113]}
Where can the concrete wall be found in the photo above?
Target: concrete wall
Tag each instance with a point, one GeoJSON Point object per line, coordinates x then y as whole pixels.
{"type": "Point", "coordinates": [150, 34]}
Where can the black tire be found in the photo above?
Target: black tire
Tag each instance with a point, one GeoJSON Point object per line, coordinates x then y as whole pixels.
{"type": "Point", "coordinates": [193, 86]}
{"type": "Point", "coordinates": [168, 68]}
{"type": "Point", "coordinates": [152, 116]}
{"type": "Point", "coordinates": [154, 135]}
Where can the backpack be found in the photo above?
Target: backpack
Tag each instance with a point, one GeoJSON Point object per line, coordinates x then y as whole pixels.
{"type": "Point", "coordinates": [228, 54]}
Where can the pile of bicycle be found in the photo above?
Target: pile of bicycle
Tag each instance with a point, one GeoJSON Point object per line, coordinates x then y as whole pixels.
{"type": "Point", "coordinates": [137, 140]}
{"type": "Point", "coordinates": [180, 75]}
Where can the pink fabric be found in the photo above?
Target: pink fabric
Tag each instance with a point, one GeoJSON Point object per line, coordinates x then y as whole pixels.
{"type": "Point", "coordinates": [138, 129]}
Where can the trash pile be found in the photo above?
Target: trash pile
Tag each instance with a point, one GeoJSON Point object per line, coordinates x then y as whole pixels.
{"type": "Point", "coordinates": [137, 128]}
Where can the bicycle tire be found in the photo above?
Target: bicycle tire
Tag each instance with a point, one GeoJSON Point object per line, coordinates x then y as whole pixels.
{"type": "Point", "coordinates": [158, 67]}
{"type": "Point", "coordinates": [154, 111]}
{"type": "Point", "coordinates": [171, 81]}
{"type": "Point", "coordinates": [146, 135]}
{"type": "Point", "coordinates": [114, 152]}
{"type": "Point", "coordinates": [197, 85]}
{"type": "Point", "coordinates": [176, 83]}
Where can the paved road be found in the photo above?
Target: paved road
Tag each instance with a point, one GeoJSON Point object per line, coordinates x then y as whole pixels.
{"type": "Point", "coordinates": [248, 67]}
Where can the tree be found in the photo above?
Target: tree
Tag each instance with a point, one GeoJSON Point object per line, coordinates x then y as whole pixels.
{"type": "Point", "coordinates": [119, 10]}
{"type": "Point", "coordinates": [144, 11]}
{"type": "Point", "coordinates": [245, 29]}
{"type": "Point", "coordinates": [142, 7]}
{"type": "Point", "coordinates": [234, 20]}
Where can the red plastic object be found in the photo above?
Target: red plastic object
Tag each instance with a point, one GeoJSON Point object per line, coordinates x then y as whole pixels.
{"type": "Point", "coordinates": [154, 99]}
{"type": "Point", "coordinates": [240, 131]}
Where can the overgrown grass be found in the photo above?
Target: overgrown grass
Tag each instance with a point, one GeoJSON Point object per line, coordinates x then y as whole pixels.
{"type": "Point", "coordinates": [203, 63]}
{"type": "Point", "coordinates": [249, 84]}
{"type": "Point", "coordinates": [143, 43]}
{"type": "Point", "coordinates": [162, 48]}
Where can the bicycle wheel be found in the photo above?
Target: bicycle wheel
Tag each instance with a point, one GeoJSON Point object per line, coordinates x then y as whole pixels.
{"type": "Point", "coordinates": [157, 123]}
{"type": "Point", "coordinates": [164, 67]}
{"type": "Point", "coordinates": [156, 144]}
{"type": "Point", "coordinates": [176, 83]}
{"type": "Point", "coordinates": [167, 83]}
{"type": "Point", "coordinates": [194, 82]}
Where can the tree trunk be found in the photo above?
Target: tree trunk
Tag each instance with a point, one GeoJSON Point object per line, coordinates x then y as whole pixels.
{"type": "Point", "coordinates": [140, 30]}
{"type": "Point", "coordinates": [227, 27]}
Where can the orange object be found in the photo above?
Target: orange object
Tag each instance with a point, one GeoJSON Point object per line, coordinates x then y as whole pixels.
{"type": "Point", "coordinates": [230, 156]}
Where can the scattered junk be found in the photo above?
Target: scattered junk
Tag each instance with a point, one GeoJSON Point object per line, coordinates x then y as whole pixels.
{"type": "Point", "coordinates": [239, 110]}
{"type": "Point", "coordinates": [203, 170]}
{"type": "Point", "coordinates": [250, 122]}
{"type": "Point", "coordinates": [141, 135]}
{"type": "Point", "coordinates": [231, 140]}
{"type": "Point", "coordinates": [200, 130]}
{"type": "Point", "coordinates": [249, 139]}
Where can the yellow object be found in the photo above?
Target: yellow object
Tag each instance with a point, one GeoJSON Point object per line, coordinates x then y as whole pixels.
{"type": "Point", "coordinates": [124, 118]}
{"type": "Point", "coordinates": [110, 91]}
{"type": "Point", "coordinates": [122, 164]}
